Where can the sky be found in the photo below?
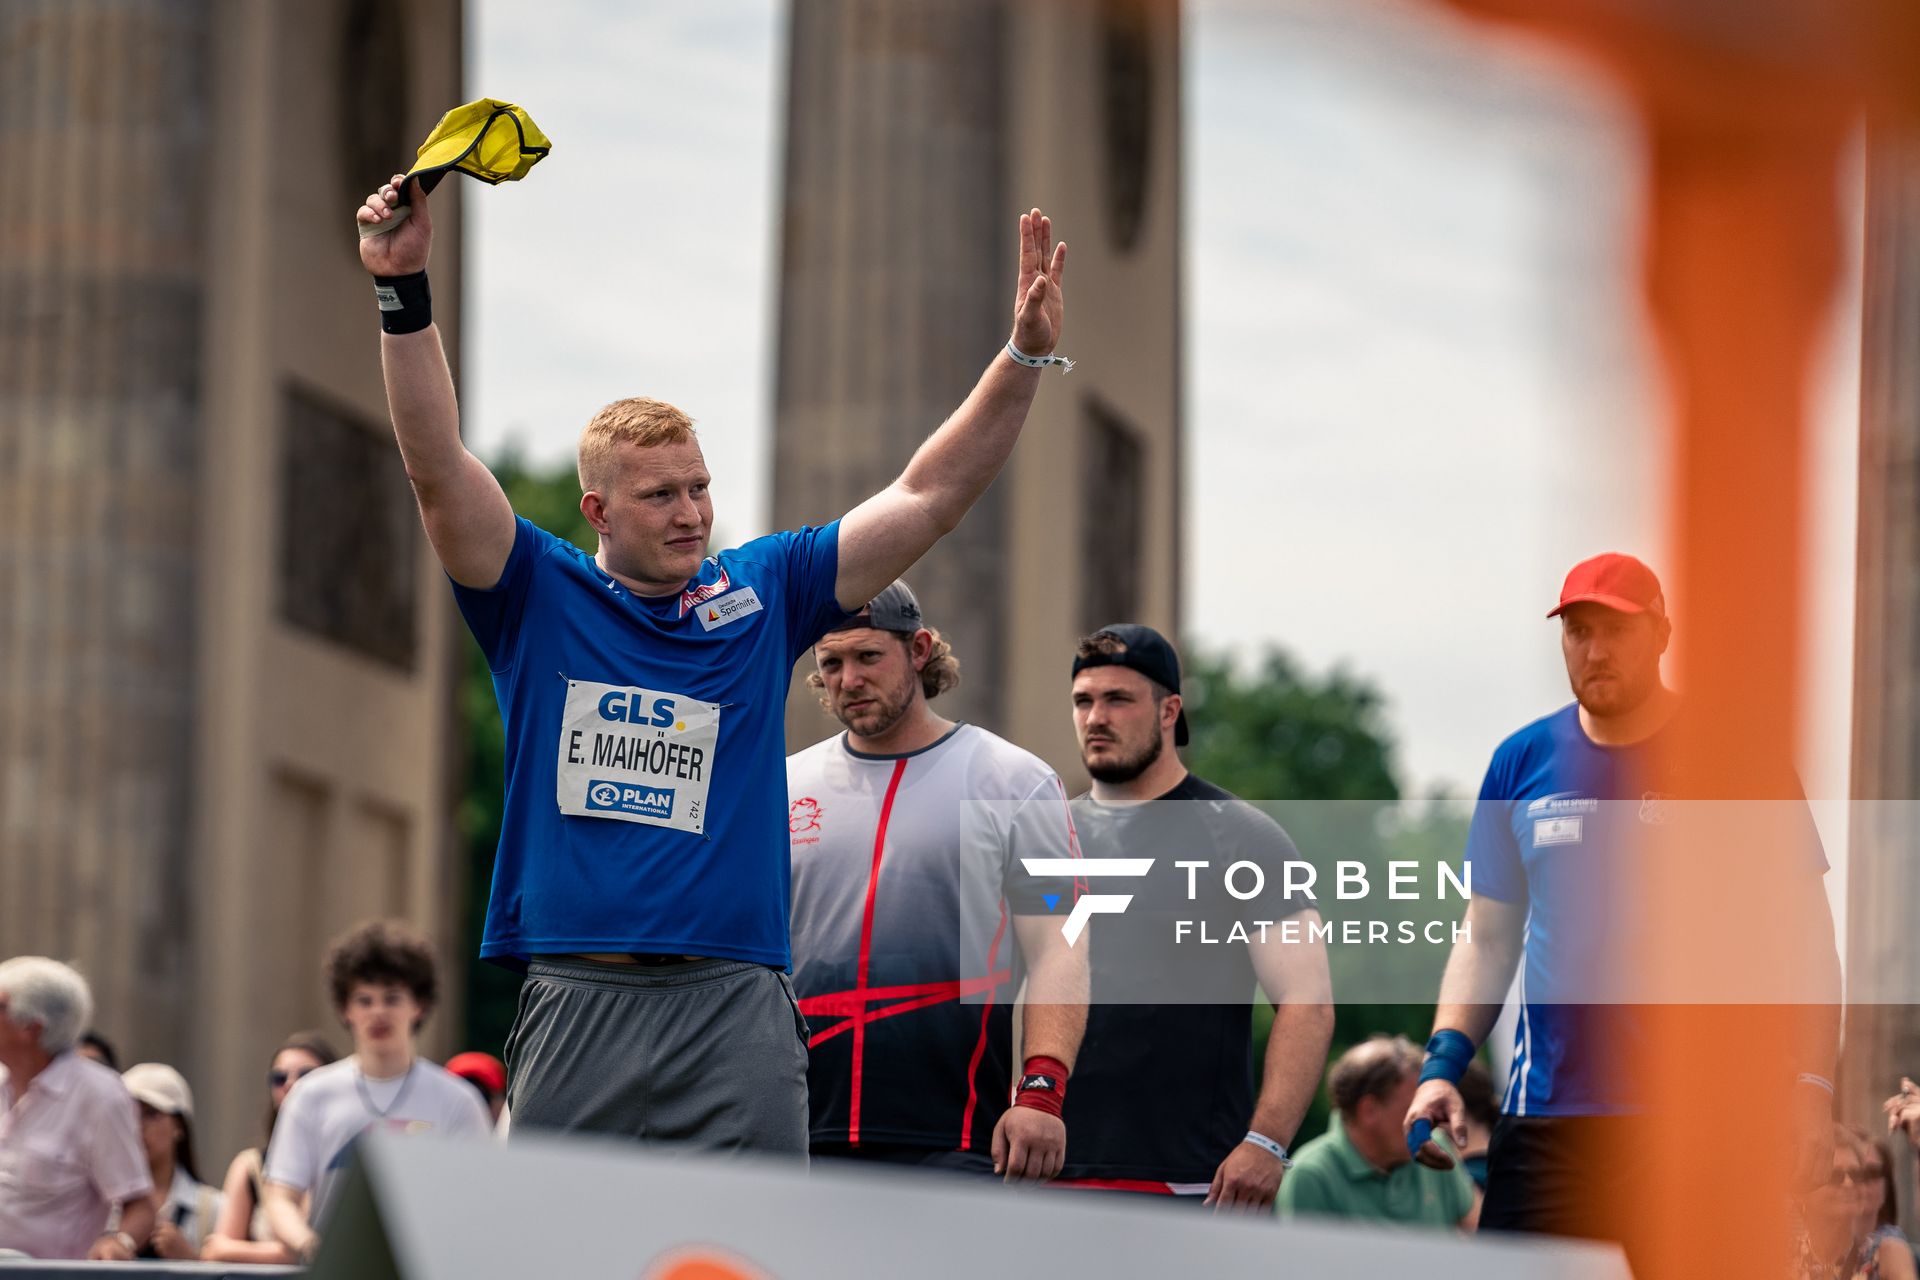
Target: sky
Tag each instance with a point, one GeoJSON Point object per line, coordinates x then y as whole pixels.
{"type": "Point", "coordinates": [1417, 386]}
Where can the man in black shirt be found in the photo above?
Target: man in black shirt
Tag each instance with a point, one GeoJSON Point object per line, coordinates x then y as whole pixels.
{"type": "Point", "coordinates": [1163, 1099]}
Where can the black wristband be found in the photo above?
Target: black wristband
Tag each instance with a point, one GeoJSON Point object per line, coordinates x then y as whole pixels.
{"type": "Point", "coordinates": [406, 303]}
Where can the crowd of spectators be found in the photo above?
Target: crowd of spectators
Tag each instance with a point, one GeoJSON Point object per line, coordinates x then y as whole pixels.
{"type": "Point", "coordinates": [100, 1164]}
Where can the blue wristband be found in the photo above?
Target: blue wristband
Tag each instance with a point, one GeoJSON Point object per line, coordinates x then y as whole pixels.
{"type": "Point", "coordinates": [1449, 1054]}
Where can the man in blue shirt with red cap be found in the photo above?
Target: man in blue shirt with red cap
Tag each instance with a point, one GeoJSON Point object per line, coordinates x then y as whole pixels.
{"type": "Point", "coordinates": [642, 875]}
{"type": "Point", "coordinates": [1567, 803]}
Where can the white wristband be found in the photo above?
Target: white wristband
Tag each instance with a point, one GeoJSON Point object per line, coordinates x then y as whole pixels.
{"type": "Point", "coordinates": [1818, 1082]}
{"type": "Point", "coordinates": [1037, 362]}
{"type": "Point", "coordinates": [1277, 1150]}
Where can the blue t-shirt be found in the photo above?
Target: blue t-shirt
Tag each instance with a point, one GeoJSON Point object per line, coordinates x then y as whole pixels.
{"type": "Point", "coordinates": [646, 799]}
{"type": "Point", "coordinates": [1552, 829]}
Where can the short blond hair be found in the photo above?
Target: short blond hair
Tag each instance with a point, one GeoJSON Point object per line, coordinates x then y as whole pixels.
{"type": "Point", "coordinates": [635, 420]}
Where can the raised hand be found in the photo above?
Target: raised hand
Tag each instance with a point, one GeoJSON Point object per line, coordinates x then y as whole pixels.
{"type": "Point", "coordinates": [1039, 306]}
{"type": "Point", "coordinates": [403, 251]}
{"type": "Point", "coordinates": [1903, 1111]}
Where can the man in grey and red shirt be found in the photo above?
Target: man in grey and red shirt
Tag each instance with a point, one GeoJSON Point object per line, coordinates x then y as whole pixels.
{"type": "Point", "coordinates": [913, 917]}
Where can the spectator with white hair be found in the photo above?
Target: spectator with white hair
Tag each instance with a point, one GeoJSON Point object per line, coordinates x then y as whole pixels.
{"type": "Point", "coordinates": [70, 1149]}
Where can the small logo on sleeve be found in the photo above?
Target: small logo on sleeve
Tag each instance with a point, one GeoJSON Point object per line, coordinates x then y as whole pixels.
{"type": "Point", "coordinates": [1557, 831]}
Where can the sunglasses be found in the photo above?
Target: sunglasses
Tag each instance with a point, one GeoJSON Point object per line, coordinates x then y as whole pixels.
{"type": "Point", "coordinates": [1840, 1177]}
{"type": "Point", "coordinates": [277, 1078]}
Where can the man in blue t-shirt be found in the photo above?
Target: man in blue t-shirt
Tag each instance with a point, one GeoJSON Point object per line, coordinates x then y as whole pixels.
{"type": "Point", "coordinates": [1568, 803]}
{"type": "Point", "coordinates": [642, 875]}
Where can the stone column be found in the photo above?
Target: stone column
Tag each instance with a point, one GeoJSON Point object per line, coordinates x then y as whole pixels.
{"type": "Point", "coordinates": [106, 109]}
{"type": "Point", "coordinates": [917, 134]}
{"type": "Point", "coordinates": [224, 645]}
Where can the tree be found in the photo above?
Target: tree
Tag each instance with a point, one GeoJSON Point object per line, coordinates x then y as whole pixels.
{"type": "Point", "coordinates": [1274, 733]}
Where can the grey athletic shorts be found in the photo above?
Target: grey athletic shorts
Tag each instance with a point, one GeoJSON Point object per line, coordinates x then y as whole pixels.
{"type": "Point", "coordinates": [709, 1054]}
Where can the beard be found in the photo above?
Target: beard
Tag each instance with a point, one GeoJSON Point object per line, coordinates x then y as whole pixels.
{"type": "Point", "coordinates": [1125, 768]}
{"type": "Point", "coordinates": [884, 710]}
{"type": "Point", "coordinates": [1614, 697]}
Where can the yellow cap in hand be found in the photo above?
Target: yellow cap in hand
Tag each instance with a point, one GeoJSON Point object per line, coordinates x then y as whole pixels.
{"type": "Point", "coordinates": [487, 139]}
{"type": "Point", "coordinates": [490, 140]}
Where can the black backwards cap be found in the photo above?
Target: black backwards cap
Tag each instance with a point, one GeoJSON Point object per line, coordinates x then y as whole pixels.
{"type": "Point", "coordinates": [1144, 650]}
{"type": "Point", "coordinates": [894, 609]}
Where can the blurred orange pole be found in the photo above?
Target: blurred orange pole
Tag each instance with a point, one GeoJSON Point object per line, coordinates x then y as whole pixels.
{"type": "Point", "coordinates": [1743, 246]}
{"type": "Point", "coordinates": [1746, 108]}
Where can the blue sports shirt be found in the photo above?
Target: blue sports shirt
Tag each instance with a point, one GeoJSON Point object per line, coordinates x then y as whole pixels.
{"type": "Point", "coordinates": [646, 799]}
{"type": "Point", "coordinates": [1555, 820]}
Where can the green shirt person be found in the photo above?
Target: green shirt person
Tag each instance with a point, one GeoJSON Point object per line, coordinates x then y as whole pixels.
{"type": "Point", "coordinates": [1359, 1168]}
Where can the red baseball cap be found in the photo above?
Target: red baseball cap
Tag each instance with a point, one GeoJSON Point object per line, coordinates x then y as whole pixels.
{"type": "Point", "coordinates": [1616, 581]}
{"type": "Point", "coordinates": [482, 1069]}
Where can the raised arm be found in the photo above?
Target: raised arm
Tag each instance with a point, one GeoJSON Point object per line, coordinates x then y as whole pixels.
{"type": "Point", "coordinates": [467, 516]}
{"type": "Point", "coordinates": [882, 537]}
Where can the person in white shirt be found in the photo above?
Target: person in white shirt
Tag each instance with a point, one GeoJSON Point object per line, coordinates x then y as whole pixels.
{"type": "Point", "coordinates": [914, 913]}
{"type": "Point", "coordinates": [382, 981]}
{"type": "Point", "coordinates": [185, 1208]}
{"type": "Point", "coordinates": [69, 1141]}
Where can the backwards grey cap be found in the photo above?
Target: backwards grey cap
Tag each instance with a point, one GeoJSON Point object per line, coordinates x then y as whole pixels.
{"type": "Point", "coordinates": [895, 609]}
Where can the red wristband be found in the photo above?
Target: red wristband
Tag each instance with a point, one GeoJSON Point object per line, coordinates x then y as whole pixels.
{"type": "Point", "coordinates": [1043, 1085]}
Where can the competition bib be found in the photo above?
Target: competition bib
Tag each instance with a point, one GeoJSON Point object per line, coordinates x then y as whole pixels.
{"type": "Point", "coordinates": [636, 755]}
